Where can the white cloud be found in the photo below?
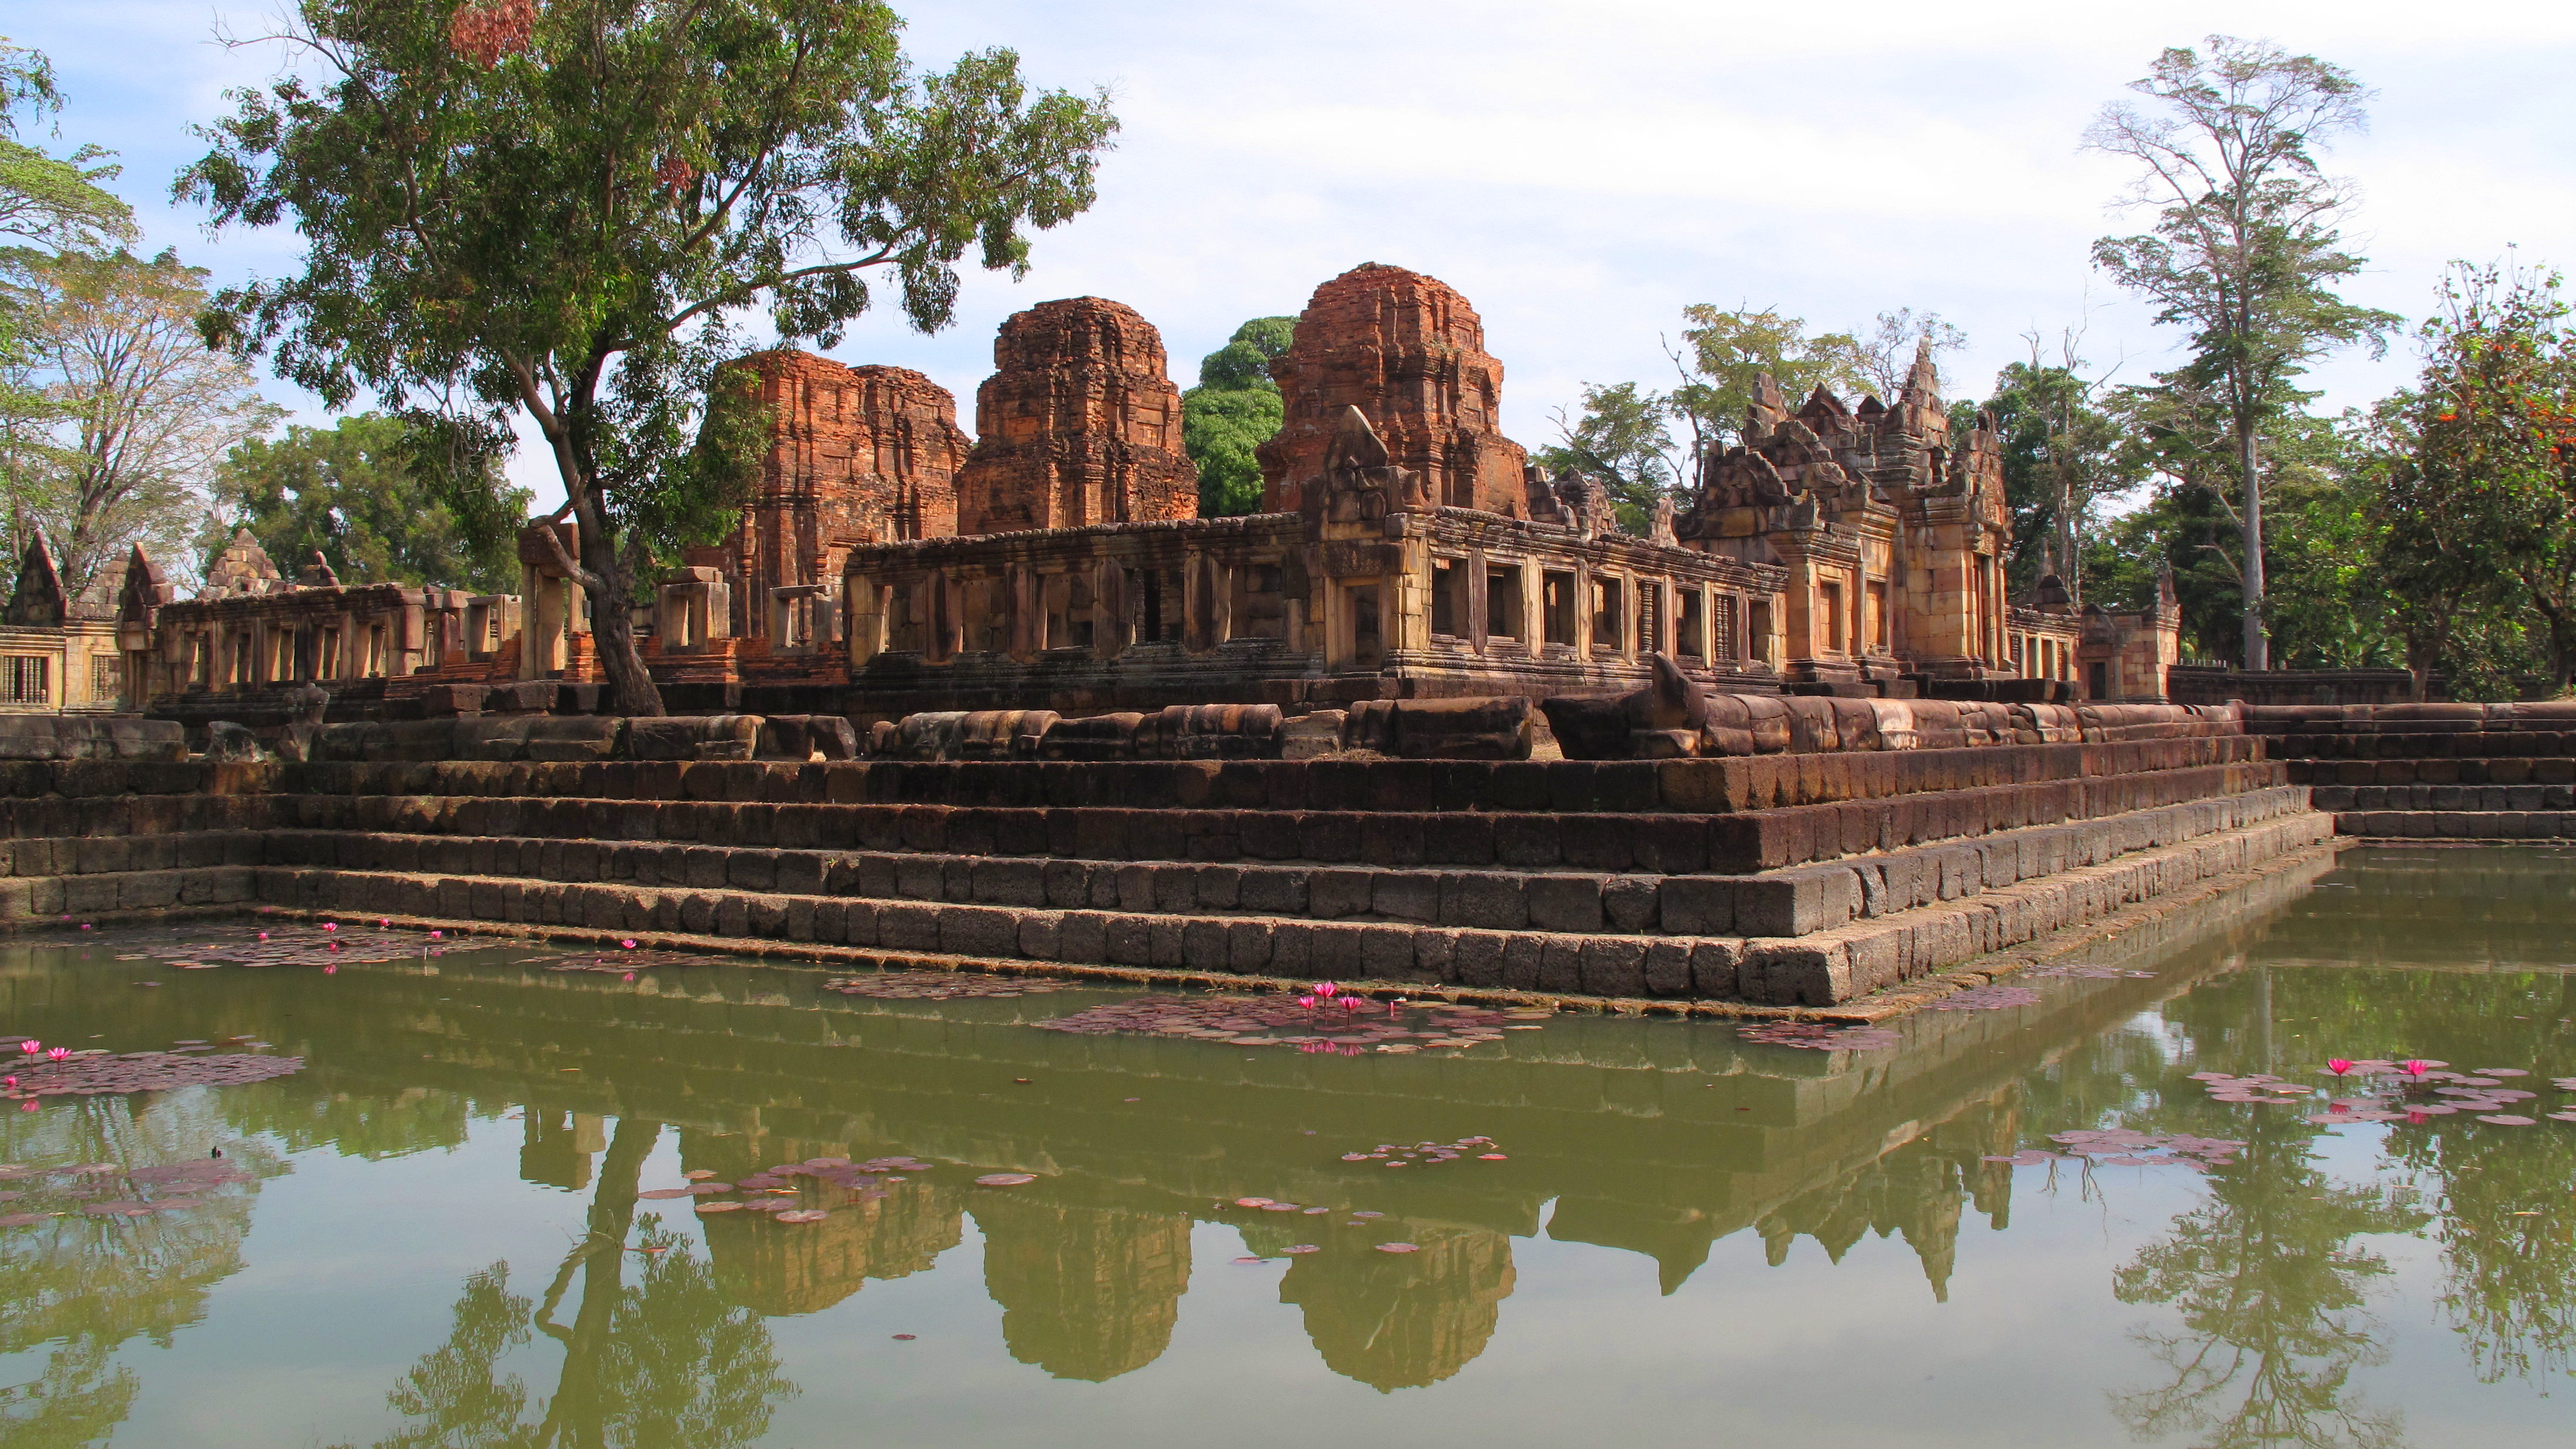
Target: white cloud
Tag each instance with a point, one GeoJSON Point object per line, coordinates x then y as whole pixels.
{"type": "Point", "coordinates": [1582, 172]}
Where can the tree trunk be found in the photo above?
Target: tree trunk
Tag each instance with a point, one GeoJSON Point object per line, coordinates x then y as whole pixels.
{"type": "Point", "coordinates": [612, 613]}
{"type": "Point", "coordinates": [2258, 648]}
{"type": "Point", "coordinates": [580, 1405]}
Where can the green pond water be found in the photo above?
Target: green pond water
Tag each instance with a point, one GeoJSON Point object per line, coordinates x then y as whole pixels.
{"type": "Point", "coordinates": [431, 1234]}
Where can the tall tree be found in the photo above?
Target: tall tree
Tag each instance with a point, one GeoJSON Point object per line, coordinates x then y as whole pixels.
{"type": "Point", "coordinates": [2246, 248]}
{"type": "Point", "coordinates": [558, 213]}
{"type": "Point", "coordinates": [1235, 409]}
{"type": "Point", "coordinates": [137, 410]}
{"type": "Point", "coordinates": [49, 205]}
{"type": "Point", "coordinates": [354, 494]}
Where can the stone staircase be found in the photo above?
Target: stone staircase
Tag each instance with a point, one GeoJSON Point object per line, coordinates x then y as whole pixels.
{"type": "Point", "coordinates": [2432, 771]}
{"type": "Point", "coordinates": [1779, 879]}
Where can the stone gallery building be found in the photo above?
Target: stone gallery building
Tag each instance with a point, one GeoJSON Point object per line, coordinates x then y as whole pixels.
{"type": "Point", "coordinates": [888, 563]}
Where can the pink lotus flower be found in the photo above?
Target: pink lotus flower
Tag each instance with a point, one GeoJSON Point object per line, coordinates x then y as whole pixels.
{"type": "Point", "coordinates": [1307, 1002]}
{"type": "Point", "coordinates": [58, 1054]}
{"type": "Point", "coordinates": [84, 925]}
{"type": "Point", "coordinates": [2418, 1067]}
{"type": "Point", "coordinates": [28, 1106]}
{"type": "Point", "coordinates": [263, 935]}
{"type": "Point", "coordinates": [629, 976]}
{"type": "Point", "coordinates": [1351, 1003]}
{"type": "Point", "coordinates": [8, 1081]}
{"type": "Point", "coordinates": [330, 925]}
{"type": "Point", "coordinates": [386, 924]}
{"type": "Point", "coordinates": [2339, 1066]}
{"type": "Point", "coordinates": [629, 945]}
{"type": "Point", "coordinates": [330, 970]}
{"type": "Point", "coordinates": [437, 935]}
{"type": "Point", "coordinates": [1326, 988]}
{"type": "Point", "coordinates": [31, 1047]}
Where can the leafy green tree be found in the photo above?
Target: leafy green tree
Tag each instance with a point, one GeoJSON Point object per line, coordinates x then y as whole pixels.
{"type": "Point", "coordinates": [1723, 352]}
{"type": "Point", "coordinates": [2245, 251]}
{"type": "Point", "coordinates": [49, 205]}
{"type": "Point", "coordinates": [1235, 409]}
{"type": "Point", "coordinates": [353, 493]}
{"type": "Point", "coordinates": [558, 213]}
{"type": "Point", "coordinates": [2491, 488]}
{"type": "Point", "coordinates": [1623, 438]}
{"type": "Point", "coordinates": [2062, 458]}
{"type": "Point", "coordinates": [138, 410]}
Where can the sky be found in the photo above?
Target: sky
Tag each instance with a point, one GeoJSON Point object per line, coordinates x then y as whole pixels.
{"type": "Point", "coordinates": [1582, 172]}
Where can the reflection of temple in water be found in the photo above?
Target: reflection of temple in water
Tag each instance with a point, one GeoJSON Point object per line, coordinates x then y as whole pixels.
{"type": "Point", "coordinates": [1086, 1292]}
{"type": "Point", "coordinates": [784, 1271]}
{"type": "Point", "coordinates": [1404, 1320]}
{"type": "Point", "coordinates": [555, 1148]}
{"type": "Point", "coordinates": [1917, 1191]}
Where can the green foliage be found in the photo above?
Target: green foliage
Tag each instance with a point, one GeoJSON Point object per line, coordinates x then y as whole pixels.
{"type": "Point", "coordinates": [352, 492]}
{"type": "Point", "coordinates": [1723, 353]}
{"type": "Point", "coordinates": [136, 410]}
{"type": "Point", "coordinates": [1235, 409]}
{"type": "Point", "coordinates": [2488, 490]}
{"type": "Point", "coordinates": [2062, 458]}
{"type": "Point", "coordinates": [560, 212]}
{"type": "Point", "coordinates": [1623, 438]}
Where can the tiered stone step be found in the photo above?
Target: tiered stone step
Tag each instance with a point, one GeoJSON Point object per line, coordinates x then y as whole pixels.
{"type": "Point", "coordinates": [1675, 878]}
{"type": "Point", "coordinates": [1786, 879]}
{"type": "Point", "coordinates": [2481, 772]}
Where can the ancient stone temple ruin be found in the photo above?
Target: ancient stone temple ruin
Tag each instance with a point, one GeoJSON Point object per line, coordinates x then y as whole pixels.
{"type": "Point", "coordinates": [888, 564]}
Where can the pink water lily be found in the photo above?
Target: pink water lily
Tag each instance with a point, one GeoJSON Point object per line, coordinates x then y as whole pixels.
{"type": "Point", "coordinates": [2339, 1066]}
{"type": "Point", "coordinates": [1307, 1002]}
{"type": "Point", "coordinates": [2418, 1067]}
{"type": "Point", "coordinates": [629, 945]}
{"type": "Point", "coordinates": [330, 925]}
{"type": "Point", "coordinates": [1326, 988]}
{"type": "Point", "coordinates": [31, 1047]}
{"type": "Point", "coordinates": [27, 1106]}
{"type": "Point", "coordinates": [437, 935]}
{"type": "Point", "coordinates": [58, 1054]}
{"type": "Point", "coordinates": [1351, 1003]}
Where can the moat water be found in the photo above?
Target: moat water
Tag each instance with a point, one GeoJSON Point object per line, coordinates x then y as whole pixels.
{"type": "Point", "coordinates": [435, 1230]}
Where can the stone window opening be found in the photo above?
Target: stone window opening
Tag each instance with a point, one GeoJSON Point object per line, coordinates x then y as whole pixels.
{"type": "Point", "coordinates": [1608, 614]}
{"type": "Point", "coordinates": [26, 679]}
{"type": "Point", "coordinates": [2101, 682]}
{"type": "Point", "coordinates": [329, 665]}
{"type": "Point", "coordinates": [1829, 604]}
{"type": "Point", "coordinates": [1881, 635]}
{"type": "Point", "coordinates": [1448, 596]}
{"type": "Point", "coordinates": [1690, 636]}
{"type": "Point", "coordinates": [1503, 617]}
{"type": "Point", "coordinates": [1760, 623]}
{"type": "Point", "coordinates": [1556, 607]}
{"type": "Point", "coordinates": [201, 659]}
{"type": "Point", "coordinates": [379, 660]}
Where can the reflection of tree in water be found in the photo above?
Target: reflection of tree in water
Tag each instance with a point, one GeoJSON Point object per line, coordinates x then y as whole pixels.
{"type": "Point", "coordinates": [1403, 1320]}
{"type": "Point", "coordinates": [85, 1285]}
{"type": "Point", "coordinates": [2270, 1291]}
{"type": "Point", "coordinates": [665, 1360]}
{"type": "Point", "coordinates": [2511, 1289]}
